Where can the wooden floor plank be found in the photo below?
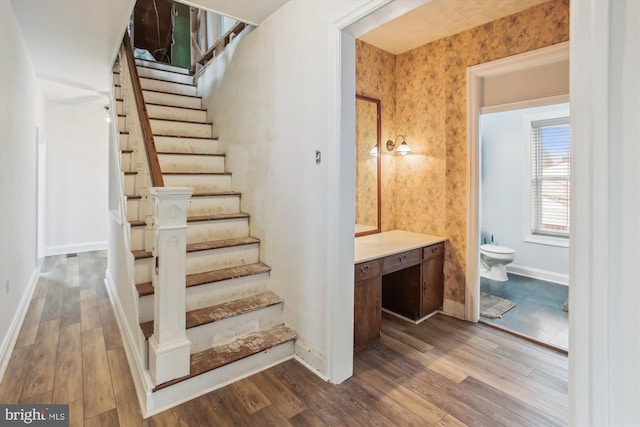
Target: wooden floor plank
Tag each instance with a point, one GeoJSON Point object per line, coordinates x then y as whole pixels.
{"type": "Point", "coordinates": [68, 385]}
{"type": "Point", "coordinates": [109, 324]}
{"type": "Point", "coordinates": [105, 419]}
{"type": "Point", "coordinates": [41, 372]}
{"type": "Point", "coordinates": [98, 391]}
{"type": "Point", "coordinates": [31, 323]}
{"type": "Point", "coordinates": [129, 413]}
{"type": "Point", "coordinates": [89, 314]}
{"type": "Point", "coordinates": [442, 372]}
{"type": "Point", "coordinates": [15, 375]}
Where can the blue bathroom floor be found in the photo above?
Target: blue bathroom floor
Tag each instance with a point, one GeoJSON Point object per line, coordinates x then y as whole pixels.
{"type": "Point", "coordinates": [537, 314]}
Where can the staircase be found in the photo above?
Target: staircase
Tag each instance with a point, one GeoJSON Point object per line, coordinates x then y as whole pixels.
{"type": "Point", "coordinates": [233, 321]}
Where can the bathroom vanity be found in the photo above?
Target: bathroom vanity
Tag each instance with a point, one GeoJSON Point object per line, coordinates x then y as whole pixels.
{"type": "Point", "coordinates": [400, 272]}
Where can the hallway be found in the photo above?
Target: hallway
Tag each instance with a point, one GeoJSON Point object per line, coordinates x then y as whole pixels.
{"type": "Point", "coordinates": [440, 372]}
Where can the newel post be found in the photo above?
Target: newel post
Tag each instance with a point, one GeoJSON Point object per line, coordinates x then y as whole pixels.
{"type": "Point", "coordinates": [169, 346]}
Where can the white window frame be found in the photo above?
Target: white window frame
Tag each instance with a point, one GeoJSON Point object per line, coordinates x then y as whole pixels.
{"type": "Point", "coordinates": [528, 235]}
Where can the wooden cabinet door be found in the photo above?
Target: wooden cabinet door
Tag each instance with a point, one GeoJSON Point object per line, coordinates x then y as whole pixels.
{"type": "Point", "coordinates": [432, 284]}
{"type": "Point", "coordinates": [367, 313]}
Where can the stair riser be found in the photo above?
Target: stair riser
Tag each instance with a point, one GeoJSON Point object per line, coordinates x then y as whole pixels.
{"type": "Point", "coordinates": [172, 100]}
{"type": "Point", "coordinates": [202, 261]}
{"type": "Point", "coordinates": [213, 205]}
{"type": "Point", "coordinates": [199, 183]}
{"type": "Point", "coordinates": [196, 386]}
{"type": "Point", "coordinates": [130, 184]}
{"type": "Point", "coordinates": [120, 107]}
{"type": "Point", "coordinates": [116, 79]}
{"type": "Point", "coordinates": [122, 124]}
{"type": "Point", "coordinates": [161, 66]}
{"type": "Point", "coordinates": [134, 207]}
{"type": "Point", "coordinates": [136, 240]}
{"type": "Point", "coordinates": [191, 163]}
{"type": "Point", "coordinates": [117, 92]}
{"type": "Point", "coordinates": [168, 127]}
{"type": "Point", "coordinates": [186, 145]}
{"type": "Point", "coordinates": [212, 293]}
{"type": "Point", "coordinates": [168, 87]}
{"type": "Point", "coordinates": [164, 75]}
{"type": "Point", "coordinates": [226, 330]}
{"type": "Point", "coordinates": [126, 161]}
{"type": "Point", "coordinates": [206, 231]}
{"type": "Point", "coordinates": [123, 141]}
{"type": "Point", "coordinates": [176, 113]}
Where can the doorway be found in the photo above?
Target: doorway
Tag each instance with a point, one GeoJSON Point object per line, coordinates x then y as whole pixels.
{"type": "Point", "coordinates": [486, 100]}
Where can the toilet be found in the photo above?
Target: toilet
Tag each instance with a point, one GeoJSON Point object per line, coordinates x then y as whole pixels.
{"type": "Point", "coordinates": [494, 260]}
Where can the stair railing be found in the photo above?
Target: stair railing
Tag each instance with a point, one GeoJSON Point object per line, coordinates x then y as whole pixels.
{"type": "Point", "coordinates": [165, 214]}
{"type": "Point", "coordinates": [147, 134]}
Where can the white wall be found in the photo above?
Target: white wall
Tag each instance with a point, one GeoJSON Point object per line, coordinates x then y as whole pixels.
{"type": "Point", "coordinates": [77, 178]}
{"type": "Point", "coordinates": [21, 112]}
{"type": "Point", "coordinates": [269, 97]}
{"type": "Point", "coordinates": [503, 168]}
{"type": "Point", "coordinates": [604, 342]}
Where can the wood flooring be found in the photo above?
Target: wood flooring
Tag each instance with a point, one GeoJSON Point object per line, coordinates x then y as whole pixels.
{"type": "Point", "coordinates": [442, 372]}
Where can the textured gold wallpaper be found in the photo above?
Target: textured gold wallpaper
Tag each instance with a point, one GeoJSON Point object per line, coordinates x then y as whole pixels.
{"type": "Point", "coordinates": [429, 193]}
{"type": "Point", "coordinates": [366, 164]}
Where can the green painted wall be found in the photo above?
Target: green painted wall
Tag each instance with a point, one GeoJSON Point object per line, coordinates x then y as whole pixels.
{"type": "Point", "coordinates": [181, 49]}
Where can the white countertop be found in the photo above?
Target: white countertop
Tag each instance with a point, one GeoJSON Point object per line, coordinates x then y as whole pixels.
{"type": "Point", "coordinates": [392, 242]}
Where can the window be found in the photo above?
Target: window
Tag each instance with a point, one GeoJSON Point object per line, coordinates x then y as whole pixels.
{"type": "Point", "coordinates": [549, 161]}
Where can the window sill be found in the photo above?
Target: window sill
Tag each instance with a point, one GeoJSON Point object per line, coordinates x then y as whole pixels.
{"type": "Point", "coordinates": [547, 240]}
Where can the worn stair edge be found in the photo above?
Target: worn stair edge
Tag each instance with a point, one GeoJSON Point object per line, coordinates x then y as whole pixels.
{"type": "Point", "coordinates": [212, 276]}
{"type": "Point", "coordinates": [155, 104]}
{"type": "Point", "coordinates": [167, 81]}
{"type": "Point", "coordinates": [170, 93]}
{"type": "Point", "coordinates": [166, 71]}
{"type": "Point", "coordinates": [197, 173]}
{"type": "Point", "coordinates": [180, 153]}
{"type": "Point", "coordinates": [222, 311]}
{"type": "Point", "coordinates": [137, 223]}
{"type": "Point", "coordinates": [217, 217]}
{"type": "Point", "coordinates": [133, 197]}
{"type": "Point", "coordinates": [213, 138]}
{"type": "Point", "coordinates": [246, 346]}
{"type": "Point", "coordinates": [205, 246]}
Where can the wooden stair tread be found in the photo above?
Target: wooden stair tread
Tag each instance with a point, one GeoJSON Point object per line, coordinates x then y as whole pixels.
{"type": "Point", "coordinates": [212, 276]}
{"type": "Point", "coordinates": [166, 71]}
{"type": "Point", "coordinates": [190, 154]}
{"type": "Point", "coordinates": [225, 310]}
{"type": "Point", "coordinates": [180, 121]}
{"type": "Point", "coordinates": [155, 104]}
{"type": "Point", "coordinates": [126, 151]}
{"type": "Point", "coordinates": [137, 223]}
{"type": "Point", "coordinates": [166, 81]}
{"type": "Point", "coordinates": [196, 173]}
{"type": "Point", "coordinates": [203, 246]}
{"type": "Point", "coordinates": [217, 194]}
{"type": "Point", "coordinates": [246, 346]}
{"type": "Point", "coordinates": [217, 217]}
{"type": "Point", "coordinates": [132, 196]}
{"type": "Point", "coordinates": [213, 138]}
{"type": "Point", "coordinates": [140, 254]}
{"type": "Point", "coordinates": [131, 173]}
{"type": "Point", "coordinates": [170, 93]}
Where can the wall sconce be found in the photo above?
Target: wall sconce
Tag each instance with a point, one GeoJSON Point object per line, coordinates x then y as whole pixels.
{"type": "Point", "coordinates": [374, 151]}
{"type": "Point", "coordinates": [403, 148]}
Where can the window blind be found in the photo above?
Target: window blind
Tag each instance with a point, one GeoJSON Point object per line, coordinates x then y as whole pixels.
{"type": "Point", "coordinates": [550, 176]}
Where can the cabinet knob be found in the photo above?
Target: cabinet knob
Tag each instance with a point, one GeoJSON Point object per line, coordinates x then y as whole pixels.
{"type": "Point", "coordinates": [434, 249]}
{"type": "Point", "coordinates": [364, 268]}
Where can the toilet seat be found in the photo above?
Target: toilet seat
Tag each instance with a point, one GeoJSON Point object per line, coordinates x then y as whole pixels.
{"type": "Point", "coordinates": [495, 249]}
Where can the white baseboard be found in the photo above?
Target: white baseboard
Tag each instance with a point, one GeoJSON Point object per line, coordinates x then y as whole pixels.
{"type": "Point", "coordinates": [536, 273]}
{"type": "Point", "coordinates": [136, 365]}
{"type": "Point", "coordinates": [79, 247]}
{"type": "Point", "coordinates": [6, 348]}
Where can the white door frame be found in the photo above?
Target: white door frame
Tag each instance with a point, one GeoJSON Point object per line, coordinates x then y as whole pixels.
{"type": "Point", "coordinates": [475, 74]}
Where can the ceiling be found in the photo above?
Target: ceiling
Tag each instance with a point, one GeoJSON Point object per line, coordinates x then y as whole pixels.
{"type": "Point", "coordinates": [440, 18]}
{"type": "Point", "coordinates": [73, 43]}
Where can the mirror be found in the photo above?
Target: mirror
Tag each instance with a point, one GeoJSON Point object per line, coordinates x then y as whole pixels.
{"type": "Point", "coordinates": [368, 129]}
